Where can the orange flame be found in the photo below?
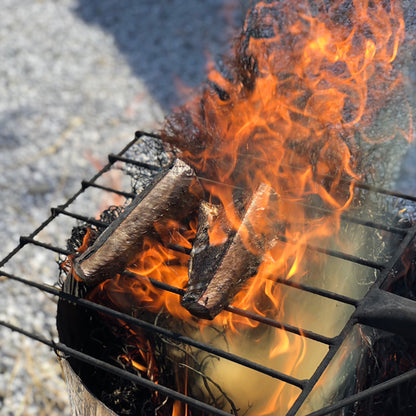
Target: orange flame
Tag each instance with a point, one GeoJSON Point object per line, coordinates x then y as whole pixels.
{"type": "Point", "coordinates": [301, 94]}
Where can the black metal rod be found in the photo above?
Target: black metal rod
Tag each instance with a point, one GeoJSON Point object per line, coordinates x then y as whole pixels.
{"type": "Point", "coordinates": [29, 240]}
{"type": "Point", "coordinates": [371, 391]}
{"type": "Point", "coordinates": [117, 158]}
{"type": "Point", "coordinates": [177, 247]}
{"type": "Point", "coordinates": [348, 257]}
{"type": "Point", "coordinates": [337, 254]}
{"type": "Point", "coordinates": [139, 133]}
{"type": "Point", "coordinates": [289, 328]}
{"type": "Point", "coordinates": [162, 331]}
{"type": "Point", "coordinates": [89, 220]}
{"type": "Point", "coordinates": [316, 291]}
{"type": "Point", "coordinates": [87, 184]}
{"type": "Point", "coordinates": [322, 366]}
{"type": "Point", "coordinates": [347, 217]}
{"type": "Point", "coordinates": [377, 189]}
{"type": "Point", "coordinates": [141, 381]}
{"type": "Point", "coordinates": [361, 185]}
{"type": "Point", "coordinates": [371, 224]}
{"type": "Point", "coordinates": [155, 283]}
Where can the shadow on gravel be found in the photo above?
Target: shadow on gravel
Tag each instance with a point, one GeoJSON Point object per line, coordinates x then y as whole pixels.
{"type": "Point", "coordinates": [167, 40]}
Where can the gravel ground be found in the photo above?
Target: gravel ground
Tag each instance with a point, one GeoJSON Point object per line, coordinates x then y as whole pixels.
{"type": "Point", "coordinates": [77, 78]}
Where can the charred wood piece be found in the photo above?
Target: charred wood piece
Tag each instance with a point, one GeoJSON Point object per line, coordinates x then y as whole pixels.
{"type": "Point", "coordinates": [205, 257]}
{"type": "Point", "coordinates": [174, 194]}
{"type": "Point", "coordinates": [243, 256]}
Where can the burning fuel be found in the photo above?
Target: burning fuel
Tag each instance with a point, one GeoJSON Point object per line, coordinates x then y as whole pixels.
{"type": "Point", "coordinates": [295, 111]}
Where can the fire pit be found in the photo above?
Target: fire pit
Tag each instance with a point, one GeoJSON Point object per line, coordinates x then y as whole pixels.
{"type": "Point", "coordinates": [395, 228]}
{"type": "Point", "coordinates": [261, 250]}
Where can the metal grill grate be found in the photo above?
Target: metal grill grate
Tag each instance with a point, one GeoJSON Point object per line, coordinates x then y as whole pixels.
{"type": "Point", "coordinates": [403, 237]}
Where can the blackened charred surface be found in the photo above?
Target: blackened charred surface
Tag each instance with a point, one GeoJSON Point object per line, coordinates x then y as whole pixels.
{"type": "Point", "coordinates": [243, 255]}
{"type": "Point", "coordinates": [205, 257]}
{"type": "Point", "coordinates": [77, 237]}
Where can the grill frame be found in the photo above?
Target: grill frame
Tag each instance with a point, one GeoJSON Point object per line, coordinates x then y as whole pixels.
{"type": "Point", "coordinates": [306, 386]}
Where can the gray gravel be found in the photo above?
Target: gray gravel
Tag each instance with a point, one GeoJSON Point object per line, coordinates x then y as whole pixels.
{"type": "Point", "coordinates": [77, 78]}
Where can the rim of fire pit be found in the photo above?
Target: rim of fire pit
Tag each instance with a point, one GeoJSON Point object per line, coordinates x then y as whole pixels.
{"type": "Point", "coordinates": [407, 235]}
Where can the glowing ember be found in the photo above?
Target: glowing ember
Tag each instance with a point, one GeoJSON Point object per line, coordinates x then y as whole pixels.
{"type": "Point", "coordinates": [301, 95]}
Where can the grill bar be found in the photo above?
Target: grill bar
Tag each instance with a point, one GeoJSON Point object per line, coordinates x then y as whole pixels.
{"type": "Point", "coordinates": [87, 184]}
{"type": "Point", "coordinates": [89, 220]}
{"type": "Point", "coordinates": [289, 328]}
{"type": "Point", "coordinates": [379, 190]}
{"type": "Point", "coordinates": [356, 220]}
{"type": "Point", "coordinates": [362, 185]}
{"type": "Point", "coordinates": [30, 240]}
{"type": "Point", "coordinates": [116, 158]}
{"type": "Point", "coordinates": [321, 292]}
{"type": "Point", "coordinates": [338, 254]}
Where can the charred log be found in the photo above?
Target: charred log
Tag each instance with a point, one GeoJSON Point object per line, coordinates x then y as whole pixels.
{"type": "Point", "coordinates": [174, 194]}
{"type": "Point", "coordinates": [242, 258]}
{"type": "Point", "coordinates": [205, 257]}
